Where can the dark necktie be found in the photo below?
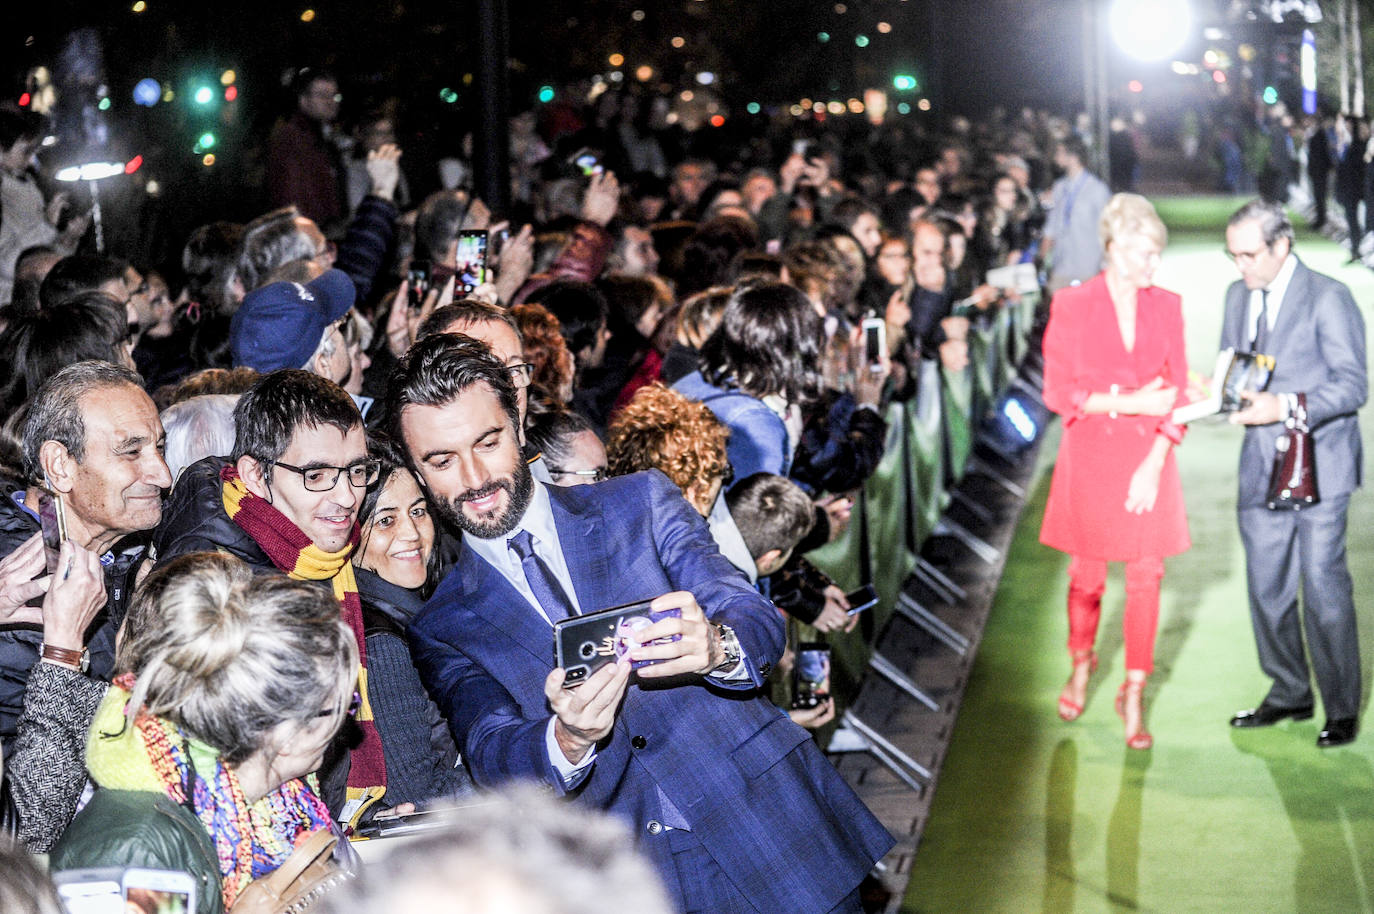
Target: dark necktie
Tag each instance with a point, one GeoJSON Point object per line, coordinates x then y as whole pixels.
{"type": "Point", "coordinates": [541, 579]}
{"type": "Point", "coordinates": [1262, 325]}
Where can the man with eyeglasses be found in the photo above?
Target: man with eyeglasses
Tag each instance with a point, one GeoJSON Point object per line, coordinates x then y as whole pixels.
{"type": "Point", "coordinates": [303, 163]}
{"type": "Point", "coordinates": [286, 500]}
{"type": "Point", "coordinates": [1312, 327]}
{"type": "Point", "coordinates": [299, 447]}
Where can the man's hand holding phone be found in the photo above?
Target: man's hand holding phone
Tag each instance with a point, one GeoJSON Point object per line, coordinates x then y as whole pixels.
{"type": "Point", "coordinates": [75, 597]}
{"type": "Point", "coordinates": [698, 650]}
{"type": "Point", "coordinates": [585, 715]}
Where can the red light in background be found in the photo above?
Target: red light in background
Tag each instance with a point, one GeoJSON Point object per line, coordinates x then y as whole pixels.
{"type": "Point", "coordinates": [1218, 76]}
{"type": "Point", "coordinates": [231, 93]}
{"type": "Point", "coordinates": [718, 121]}
{"type": "Point", "coordinates": [1135, 85]}
{"type": "Point", "coordinates": [25, 99]}
{"type": "Point", "coordinates": [133, 165]}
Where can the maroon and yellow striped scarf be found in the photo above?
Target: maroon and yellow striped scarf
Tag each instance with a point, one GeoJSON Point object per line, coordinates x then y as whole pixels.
{"type": "Point", "coordinates": [292, 551]}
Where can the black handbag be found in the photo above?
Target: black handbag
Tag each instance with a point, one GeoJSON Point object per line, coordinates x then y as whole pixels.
{"type": "Point", "coordinates": [1293, 480]}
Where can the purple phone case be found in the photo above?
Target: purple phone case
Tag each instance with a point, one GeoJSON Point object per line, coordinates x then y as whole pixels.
{"type": "Point", "coordinates": [584, 644]}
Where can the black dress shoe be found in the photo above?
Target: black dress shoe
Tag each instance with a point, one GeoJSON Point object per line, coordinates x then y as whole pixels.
{"type": "Point", "coordinates": [1267, 715]}
{"type": "Point", "coordinates": [1338, 732]}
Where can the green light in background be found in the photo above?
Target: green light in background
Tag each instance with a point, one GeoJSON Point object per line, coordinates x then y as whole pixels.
{"type": "Point", "coordinates": [753, 107]}
{"type": "Point", "coordinates": [546, 94]}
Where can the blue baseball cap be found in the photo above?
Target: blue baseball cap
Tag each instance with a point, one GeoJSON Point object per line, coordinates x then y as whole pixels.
{"type": "Point", "coordinates": [281, 325]}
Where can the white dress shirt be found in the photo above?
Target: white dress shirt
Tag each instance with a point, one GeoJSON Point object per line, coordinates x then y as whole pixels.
{"type": "Point", "coordinates": [1277, 290]}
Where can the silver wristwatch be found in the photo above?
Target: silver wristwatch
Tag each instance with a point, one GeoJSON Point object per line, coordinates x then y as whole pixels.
{"type": "Point", "coordinates": [729, 645]}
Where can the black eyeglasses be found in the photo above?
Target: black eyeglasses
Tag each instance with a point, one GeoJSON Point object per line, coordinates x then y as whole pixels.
{"type": "Point", "coordinates": [596, 475]}
{"type": "Point", "coordinates": [323, 479]}
{"type": "Point", "coordinates": [521, 374]}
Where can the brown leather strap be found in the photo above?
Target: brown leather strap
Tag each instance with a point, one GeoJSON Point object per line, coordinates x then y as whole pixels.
{"type": "Point", "coordinates": [63, 655]}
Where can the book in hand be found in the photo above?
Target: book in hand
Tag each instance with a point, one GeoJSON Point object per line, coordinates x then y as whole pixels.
{"type": "Point", "coordinates": [1234, 372]}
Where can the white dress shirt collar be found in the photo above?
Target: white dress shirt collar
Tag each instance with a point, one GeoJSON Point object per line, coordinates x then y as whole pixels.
{"type": "Point", "coordinates": [1277, 289]}
{"type": "Point", "coordinates": [538, 520]}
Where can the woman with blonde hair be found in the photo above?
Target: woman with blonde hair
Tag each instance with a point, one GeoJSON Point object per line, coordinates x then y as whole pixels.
{"type": "Point", "coordinates": [203, 749]}
{"type": "Point", "coordinates": [1115, 368]}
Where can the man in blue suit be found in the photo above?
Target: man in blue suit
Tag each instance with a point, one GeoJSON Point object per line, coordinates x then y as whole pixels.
{"type": "Point", "coordinates": [734, 803]}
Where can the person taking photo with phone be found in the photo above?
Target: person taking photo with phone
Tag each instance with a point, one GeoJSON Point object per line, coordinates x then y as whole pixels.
{"type": "Point", "coordinates": [721, 790]}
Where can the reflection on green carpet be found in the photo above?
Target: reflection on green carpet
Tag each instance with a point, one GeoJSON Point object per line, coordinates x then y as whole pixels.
{"type": "Point", "coordinates": [1033, 814]}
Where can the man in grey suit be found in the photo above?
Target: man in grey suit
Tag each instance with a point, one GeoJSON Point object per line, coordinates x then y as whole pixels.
{"type": "Point", "coordinates": [1311, 326]}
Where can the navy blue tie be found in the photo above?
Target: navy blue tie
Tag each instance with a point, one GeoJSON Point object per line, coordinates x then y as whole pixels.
{"type": "Point", "coordinates": [541, 579]}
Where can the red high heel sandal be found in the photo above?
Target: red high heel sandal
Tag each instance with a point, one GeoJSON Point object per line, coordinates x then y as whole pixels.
{"type": "Point", "coordinates": [1069, 709]}
{"type": "Point", "coordinates": [1141, 739]}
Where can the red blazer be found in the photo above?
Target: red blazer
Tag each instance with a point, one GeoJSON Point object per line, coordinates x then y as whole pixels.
{"type": "Point", "coordinates": [1084, 354]}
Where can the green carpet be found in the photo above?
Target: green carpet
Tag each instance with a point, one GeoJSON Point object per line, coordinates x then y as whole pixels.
{"type": "Point", "coordinates": [1033, 814]}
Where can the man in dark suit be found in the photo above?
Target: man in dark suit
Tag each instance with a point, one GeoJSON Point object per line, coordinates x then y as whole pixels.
{"type": "Point", "coordinates": [1311, 326]}
{"type": "Point", "coordinates": [735, 805]}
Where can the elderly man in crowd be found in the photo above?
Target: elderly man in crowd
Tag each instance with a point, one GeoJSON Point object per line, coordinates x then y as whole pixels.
{"type": "Point", "coordinates": [93, 440]}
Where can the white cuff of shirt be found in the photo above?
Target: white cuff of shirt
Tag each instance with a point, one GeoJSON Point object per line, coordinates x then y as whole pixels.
{"type": "Point", "coordinates": [738, 674]}
{"type": "Point", "coordinates": [570, 773]}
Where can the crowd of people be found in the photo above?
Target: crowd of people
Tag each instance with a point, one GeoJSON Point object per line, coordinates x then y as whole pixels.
{"type": "Point", "coordinates": [325, 489]}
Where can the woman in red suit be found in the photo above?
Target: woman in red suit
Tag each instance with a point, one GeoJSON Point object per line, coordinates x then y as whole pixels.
{"type": "Point", "coordinates": [1114, 371]}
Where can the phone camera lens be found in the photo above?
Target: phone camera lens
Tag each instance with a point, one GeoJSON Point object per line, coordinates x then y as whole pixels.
{"type": "Point", "coordinates": [587, 651]}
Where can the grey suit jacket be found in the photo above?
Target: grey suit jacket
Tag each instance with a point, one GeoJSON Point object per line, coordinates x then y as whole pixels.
{"type": "Point", "coordinates": [1318, 345]}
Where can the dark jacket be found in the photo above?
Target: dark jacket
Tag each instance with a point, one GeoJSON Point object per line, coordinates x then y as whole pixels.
{"type": "Point", "coordinates": [194, 519]}
{"type": "Point", "coordinates": [20, 644]}
{"type": "Point", "coordinates": [421, 759]}
{"type": "Point", "coordinates": [841, 444]}
{"type": "Point", "coordinates": [133, 828]}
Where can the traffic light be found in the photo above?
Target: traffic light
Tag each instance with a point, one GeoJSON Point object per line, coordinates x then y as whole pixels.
{"type": "Point", "coordinates": [904, 82]}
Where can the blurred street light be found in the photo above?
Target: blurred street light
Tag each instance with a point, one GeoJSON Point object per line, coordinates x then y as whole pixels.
{"type": "Point", "coordinates": [1150, 29]}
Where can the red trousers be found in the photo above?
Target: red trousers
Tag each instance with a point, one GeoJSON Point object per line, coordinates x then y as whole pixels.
{"type": "Point", "coordinates": [1087, 580]}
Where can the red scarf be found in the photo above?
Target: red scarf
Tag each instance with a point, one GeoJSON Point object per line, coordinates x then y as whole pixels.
{"type": "Point", "coordinates": [293, 552]}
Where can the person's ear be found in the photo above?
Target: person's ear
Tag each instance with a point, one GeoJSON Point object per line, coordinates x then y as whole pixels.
{"type": "Point", "coordinates": [254, 476]}
{"type": "Point", "coordinates": [58, 466]}
{"type": "Point", "coordinates": [769, 562]}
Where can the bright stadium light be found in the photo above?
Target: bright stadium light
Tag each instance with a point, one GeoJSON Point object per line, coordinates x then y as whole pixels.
{"type": "Point", "coordinates": [1150, 29]}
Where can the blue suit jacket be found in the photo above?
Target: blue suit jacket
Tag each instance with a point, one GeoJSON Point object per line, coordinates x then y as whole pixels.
{"type": "Point", "coordinates": [754, 787]}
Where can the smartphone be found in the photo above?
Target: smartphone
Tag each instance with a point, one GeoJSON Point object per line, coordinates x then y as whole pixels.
{"type": "Point", "coordinates": [875, 342]}
{"type": "Point", "coordinates": [418, 279]}
{"type": "Point", "coordinates": [158, 892]}
{"type": "Point", "coordinates": [52, 514]}
{"type": "Point", "coordinates": [811, 675]}
{"type": "Point", "coordinates": [866, 597]}
{"type": "Point", "coordinates": [586, 643]}
{"type": "Point", "coordinates": [472, 260]}
{"type": "Point", "coordinates": [96, 890]}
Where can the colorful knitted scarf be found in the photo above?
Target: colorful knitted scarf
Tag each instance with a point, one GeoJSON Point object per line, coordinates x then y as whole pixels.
{"type": "Point", "coordinates": [293, 552]}
{"type": "Point", "coordinates": [154, 756]}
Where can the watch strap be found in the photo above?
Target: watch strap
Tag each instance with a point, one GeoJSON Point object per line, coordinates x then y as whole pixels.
{"type": "Point", "coordinates": [77, 660]}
